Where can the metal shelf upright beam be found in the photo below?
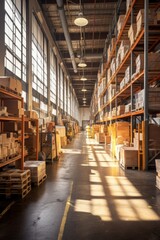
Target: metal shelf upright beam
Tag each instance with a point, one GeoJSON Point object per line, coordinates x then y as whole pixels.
{"type": "Point", "coordinates": [146, 115]}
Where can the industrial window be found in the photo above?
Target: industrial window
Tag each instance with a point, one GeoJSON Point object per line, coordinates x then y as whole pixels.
{"type": "Point", "coordinates": [61, 88]}
{"type": "Point", "coordinates": [15, 37]}
{"type": "Point", "coordinates": [39, 64]}
{"type": "Point", "coordinates": [69, 99]}
{"type": "Point", "coordinates": [65, 98]}
{"type": "Point", "coordinates": [52, 78]}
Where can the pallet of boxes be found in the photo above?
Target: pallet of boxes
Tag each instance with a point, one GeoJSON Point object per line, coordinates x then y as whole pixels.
{"type": "Point", "coordinates": [38, 171]}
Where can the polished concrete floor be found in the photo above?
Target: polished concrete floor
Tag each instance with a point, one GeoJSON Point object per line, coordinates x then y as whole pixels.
{"type": "Point", "coordinates": [86, 196]}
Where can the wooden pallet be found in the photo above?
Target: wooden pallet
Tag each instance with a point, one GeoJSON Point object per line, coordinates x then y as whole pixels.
{"type": "Point", "coordinates": [38, 182]}
{"type": "Point", "coordinates": [21, 192]}
{"type": "Point", "coordinates": [128, 167]}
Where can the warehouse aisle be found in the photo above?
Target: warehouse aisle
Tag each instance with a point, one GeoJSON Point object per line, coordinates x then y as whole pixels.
{"type": "Point", "coordinates": [86, 196]}
{"type": "Point", "coordinates": [109, 203]}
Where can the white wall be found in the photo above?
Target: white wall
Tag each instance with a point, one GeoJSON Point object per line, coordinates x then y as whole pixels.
{"type": "Point", "coordinates": [84, 114]}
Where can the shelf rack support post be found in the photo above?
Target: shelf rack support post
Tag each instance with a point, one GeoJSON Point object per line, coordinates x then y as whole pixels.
{"type": "Point", "coordinates": [146, 116]}
{"type": "Point", "coordinates": [131, 89]}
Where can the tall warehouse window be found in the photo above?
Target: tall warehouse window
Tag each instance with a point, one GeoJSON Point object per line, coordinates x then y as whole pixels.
{"type": "Point", "coordinates": [69, 99]}
{"type": "Point", "coordinates": [15, 38]}
{"type": "Point", "coordinates": [39, 65]}
{"type": "Point", "coordinates": [61, 88]}
{"type": "Point", "coordinates": [52, 77]}
{"type": "Point", "coordinates": [65, 98]}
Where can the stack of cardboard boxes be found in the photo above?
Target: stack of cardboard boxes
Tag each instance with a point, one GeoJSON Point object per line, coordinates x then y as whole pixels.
{"type": "Point", "coordinates": [38, 171]}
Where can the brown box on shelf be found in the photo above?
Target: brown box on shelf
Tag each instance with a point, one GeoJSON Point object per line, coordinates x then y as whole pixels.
{"type": "Point", "coordinates": [129, 157]}
{"type": "Point", "coordinates": [120, 109]}
{"type": "Point", "coordinates": [120, 22]}
{"type": "Point", "coordinates": [11, 83]}
{"type": "Point", "coordinates": [109, 74]}
{"type": "Point", "coordinates": [154, 61]}
{"type": "Point", "coordinates": [122, 84]}
{"type": "Point", "coordinates": [132, 33]}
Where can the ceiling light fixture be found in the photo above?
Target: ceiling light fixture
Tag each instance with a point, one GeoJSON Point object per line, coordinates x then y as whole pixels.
{"type": "Point", "coordinates": [83, 78]}
{"type": "Point", "coordinates": [82, 64]}
{"type": "Point", "coordinates": [81, 21]}
{"type": "Point", "coordinates": [84, 98]}
{"type": "Point", "coordinates": [84, 90]}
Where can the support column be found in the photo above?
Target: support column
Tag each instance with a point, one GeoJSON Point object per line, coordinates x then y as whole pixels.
{"type": "Point", "coordinates": [57, 88]}
{"type": "Point", "coordinates": [146, 115]}
{"type": "Point", "coordinates": [29, 53]}
{"type": "Point", "coordinates": [131, 73]}
{"type": "Point", "coordinates": [2, 45]}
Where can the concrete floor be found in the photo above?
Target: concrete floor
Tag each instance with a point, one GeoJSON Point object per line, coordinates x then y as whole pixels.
{"type": "Point", "coordinates": [86, 196]}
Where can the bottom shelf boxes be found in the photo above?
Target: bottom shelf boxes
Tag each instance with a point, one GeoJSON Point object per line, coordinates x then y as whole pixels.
{"type": "Point", "coordinates": [129, 157]}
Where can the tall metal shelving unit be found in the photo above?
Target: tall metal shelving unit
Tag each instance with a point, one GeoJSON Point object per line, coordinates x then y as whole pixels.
{"type": "Point", "coordinates": [145, 42]}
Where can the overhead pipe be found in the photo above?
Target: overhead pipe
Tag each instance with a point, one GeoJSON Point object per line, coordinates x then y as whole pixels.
{"type": "Point", "coordinates": [66, 32]}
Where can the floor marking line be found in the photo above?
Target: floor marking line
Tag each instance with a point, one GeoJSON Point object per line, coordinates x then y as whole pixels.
{"type": "Point", "coordinates": [6, 209]}
{"type": "Point", "coordinates": [60, 235]}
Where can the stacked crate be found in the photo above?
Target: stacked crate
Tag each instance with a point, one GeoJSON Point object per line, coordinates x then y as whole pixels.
{"type": "Point", "coordinates": [15, 183]}
{"type": "Point", "coordinates": [38, 171]}
{"type": "Point", "coordinates": [129, 157]}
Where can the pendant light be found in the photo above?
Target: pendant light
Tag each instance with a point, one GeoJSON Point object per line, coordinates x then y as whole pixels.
{"type": "Point", "coordinates": [80, 20]}
{"type": "Point", "coordinates": [83, 78]}
{"type": "Point", "coordinates": [82, 64]}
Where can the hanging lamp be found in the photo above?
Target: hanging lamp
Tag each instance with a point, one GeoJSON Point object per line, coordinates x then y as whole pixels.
{"type": "Point", "coordinates": [80, 20]}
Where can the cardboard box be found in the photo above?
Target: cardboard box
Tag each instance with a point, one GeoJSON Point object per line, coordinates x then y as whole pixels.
{"type": "Point", "coordinates": [100, 137]}
{"type": "Point", "coordinates": [129, 157]}
{"type": "Point", "coordinates": [132, 33]}
{"type": "Point", "coordinates": [120, 23]}
{"type": "Point", "coordinates": [11, 83]}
